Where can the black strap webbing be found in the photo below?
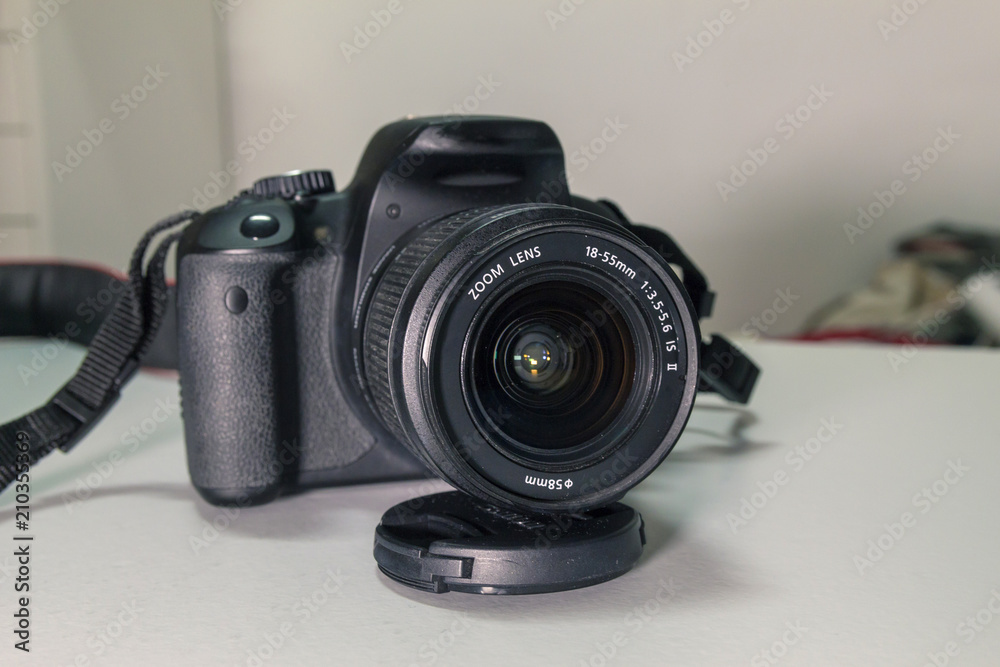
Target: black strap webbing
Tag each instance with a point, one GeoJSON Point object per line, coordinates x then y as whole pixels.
{"type": "Point", "coordinates": [694, 281]}
{"type": "Point", "coordinates": [724, 368]}
{"type": "Point", "coordinates": [112, 359]}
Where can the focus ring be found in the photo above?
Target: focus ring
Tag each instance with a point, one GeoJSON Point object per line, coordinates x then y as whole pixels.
{"type": "Point", "coordinates": [383, 309]}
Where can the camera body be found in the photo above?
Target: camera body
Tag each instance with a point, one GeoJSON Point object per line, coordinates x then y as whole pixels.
{"type": "Point", "coordinates": [321, 332]}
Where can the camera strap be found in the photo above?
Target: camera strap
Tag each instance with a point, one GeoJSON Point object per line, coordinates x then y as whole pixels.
{"type": "Point", "coordinates": [112, 359]}
{"type": "Point", "coordinates": [724, 368]}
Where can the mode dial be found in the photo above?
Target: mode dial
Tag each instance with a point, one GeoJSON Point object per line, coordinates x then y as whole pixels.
{"type": "Point", "coordinates": [294, 183]}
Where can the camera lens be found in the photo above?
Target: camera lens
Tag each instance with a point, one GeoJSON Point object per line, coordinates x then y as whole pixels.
{"type": "Point", "coordinates": [536, 356]}
{"type": "Point", "coordinates": [539, 357]}
{"type": "Point", "coordinates": [545, 376]}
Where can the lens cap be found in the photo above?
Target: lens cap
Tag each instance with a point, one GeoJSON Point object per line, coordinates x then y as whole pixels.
{"type": "Point", "coordinates": [454, 542]}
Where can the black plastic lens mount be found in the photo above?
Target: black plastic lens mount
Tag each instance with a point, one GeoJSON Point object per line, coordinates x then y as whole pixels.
{"type": "Point", "coordinates": [466, 307]}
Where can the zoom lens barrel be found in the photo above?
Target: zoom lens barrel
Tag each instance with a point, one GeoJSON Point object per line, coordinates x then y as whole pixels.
{"type": "Point", "coordinates": [536, 356]}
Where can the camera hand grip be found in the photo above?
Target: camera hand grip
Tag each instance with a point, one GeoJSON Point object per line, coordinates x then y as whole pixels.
{"type": "Point", "coordinates": [232, 339]}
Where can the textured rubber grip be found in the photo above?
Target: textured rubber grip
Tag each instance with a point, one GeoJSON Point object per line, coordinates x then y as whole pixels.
{"type": "Point", "coordinates": [230, 368]}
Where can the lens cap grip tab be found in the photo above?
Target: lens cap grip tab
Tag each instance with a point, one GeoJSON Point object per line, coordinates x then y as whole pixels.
{"type": "Point", "coordinates": [454, 542]}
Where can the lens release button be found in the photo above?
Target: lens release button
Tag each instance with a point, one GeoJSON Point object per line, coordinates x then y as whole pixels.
{"type": "Point", "coordinates": [259, 226]}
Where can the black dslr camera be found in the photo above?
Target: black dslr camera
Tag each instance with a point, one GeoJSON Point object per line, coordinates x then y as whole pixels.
{"type": "Point", "coordinates": [454, 309]}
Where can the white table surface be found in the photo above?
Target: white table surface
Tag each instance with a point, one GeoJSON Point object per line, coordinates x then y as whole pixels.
{"type": "Point", "coordinates": [116, 581]}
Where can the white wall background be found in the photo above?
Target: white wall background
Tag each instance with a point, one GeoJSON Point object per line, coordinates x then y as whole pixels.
{"type": "Point", "coordinates": [78, 60]}
{"type": "Point", "coordinates": [890, 94]}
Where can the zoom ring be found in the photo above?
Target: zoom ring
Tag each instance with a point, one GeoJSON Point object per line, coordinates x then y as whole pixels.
{"type": "Point", "coordinates": [384, 305]}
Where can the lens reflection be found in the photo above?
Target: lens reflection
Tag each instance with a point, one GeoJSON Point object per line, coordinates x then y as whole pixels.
{"type": "Point", "coordinates": [539, 356]}
{"type": "Point", "coordinates": [553, 365]}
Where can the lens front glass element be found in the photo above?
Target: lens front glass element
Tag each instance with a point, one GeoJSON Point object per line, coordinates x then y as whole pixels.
{"type": "Point", "coordinates": [540, 357]}
{"type": "Point", "coordinates": [553, 366]}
